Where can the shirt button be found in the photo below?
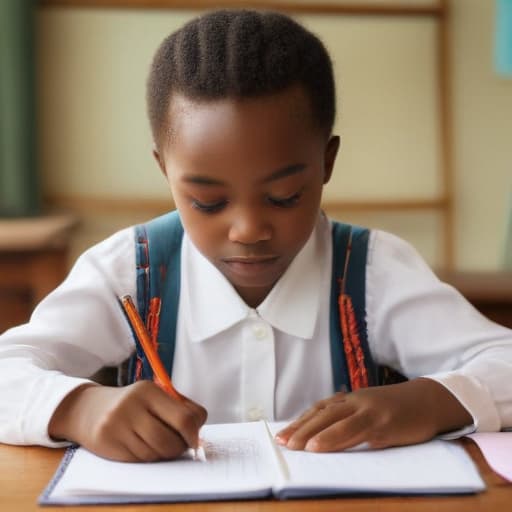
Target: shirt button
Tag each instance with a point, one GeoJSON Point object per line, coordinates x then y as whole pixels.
{"type": "Point", "coordinates": [260, 332]}
{"type": "Point", "coordinates": [255, 414]}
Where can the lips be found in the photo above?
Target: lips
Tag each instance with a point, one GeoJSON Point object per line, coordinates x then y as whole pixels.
{"type": "Point", "coordinates": [249, 260]}
{"type": "Point", "coordinates": [250, 265]}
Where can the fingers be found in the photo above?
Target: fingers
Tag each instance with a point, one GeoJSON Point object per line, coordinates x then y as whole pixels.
{"type": "Point", "coordinates": [284, 436]}
{"type": "Point", "coordinates": [130, 447]}
{"type": "Point", "coordinates": [162, 442]}
{"type": "Point", "coordinates": [114, 450]}
{"type": "Point", "coordinates": [185, 417]}
{"type": "Point", "coordinates": [381, 416]}
{"type": "Point", "coordinates": [140, 449]}
{"type": "Point", "coordinates": [139, 422]}
{"type": "Point", "coordinates": [150, 440]}
{"type": "Point", "coordinates": [333, 427]}
{"type": "Point", "coordinates": [198, 410]}
{"type": "Point", "coordinates": [337, 423]}
{"type": "Point", "coordinates": [341, 435]}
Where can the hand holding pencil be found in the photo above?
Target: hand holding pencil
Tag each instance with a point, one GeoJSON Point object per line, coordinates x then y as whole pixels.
{"type": "Point", "coordinates": [160, 375]}
{"type": "Point", "coordinates": [145, 421]}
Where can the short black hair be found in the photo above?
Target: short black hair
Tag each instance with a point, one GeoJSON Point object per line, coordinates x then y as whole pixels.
{"type": "Point", "coordinates": [238, 53]}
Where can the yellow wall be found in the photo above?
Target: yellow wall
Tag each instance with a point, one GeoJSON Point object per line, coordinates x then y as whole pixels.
{"type": "Point", "coordinates": [482, 106]}
{"type": "Point", "coordinates": [95, 140]}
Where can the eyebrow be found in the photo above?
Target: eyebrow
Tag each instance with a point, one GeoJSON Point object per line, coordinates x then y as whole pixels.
{"type": "Point", "coordinates": [289, 170]}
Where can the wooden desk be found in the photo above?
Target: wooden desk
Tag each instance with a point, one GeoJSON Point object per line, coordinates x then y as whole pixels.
{"type": "Point", "coordinates": [25, 471]}
{"type": "Point", "coordinates": [33, 261]}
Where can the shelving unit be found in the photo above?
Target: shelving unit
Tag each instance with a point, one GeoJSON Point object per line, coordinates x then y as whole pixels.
{"type": "Point", "coordinates": [441, 204]}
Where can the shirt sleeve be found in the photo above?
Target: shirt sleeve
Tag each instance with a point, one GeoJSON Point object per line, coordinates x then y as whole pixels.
{"type": "Point", "coordinates": [76, 330]}
{"type": "Point", "coordinates": [423, 327]}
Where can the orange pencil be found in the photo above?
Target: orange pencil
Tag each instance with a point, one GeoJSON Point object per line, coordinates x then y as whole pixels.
{"type": "Point", "coordinates": [161, 377]}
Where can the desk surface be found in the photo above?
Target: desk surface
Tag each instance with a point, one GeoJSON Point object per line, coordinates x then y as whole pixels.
{"type": "Point", "coordinates": [25, 471]}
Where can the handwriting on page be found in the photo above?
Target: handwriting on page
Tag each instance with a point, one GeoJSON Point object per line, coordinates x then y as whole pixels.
{"type": "Point", "coordinates": [230, 463]}
{"type": "Point", "coordinates": [232, 457]}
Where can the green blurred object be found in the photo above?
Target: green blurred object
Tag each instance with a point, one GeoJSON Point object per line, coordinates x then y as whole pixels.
{"type": "Point", "coordinates": [19, 194]}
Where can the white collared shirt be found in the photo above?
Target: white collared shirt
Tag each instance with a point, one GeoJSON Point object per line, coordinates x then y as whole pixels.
{"type": "Point", "coordinates": [243, 363]}
{"type": "Point", "coordinates": [267, 352]}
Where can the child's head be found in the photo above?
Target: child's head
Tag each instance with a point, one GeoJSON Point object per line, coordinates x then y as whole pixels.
{"type": "Point", "coordinates": [239, 54]}
{"type": "Point", "coordinates": [241, 106]}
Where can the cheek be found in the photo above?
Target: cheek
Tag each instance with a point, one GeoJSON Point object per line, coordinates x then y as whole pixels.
{"type": "Point", "coordinates": [294, 229]}
{"type": "Point", "coordinates": [206, 233]}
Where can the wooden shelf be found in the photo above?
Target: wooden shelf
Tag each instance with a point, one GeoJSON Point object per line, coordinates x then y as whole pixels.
{"type": "Point", "coordinates": [442, 203]}
{"type": "Point", "coordinates": [86, 204]}
{"type": "Point", "coordinates": [346, 8]}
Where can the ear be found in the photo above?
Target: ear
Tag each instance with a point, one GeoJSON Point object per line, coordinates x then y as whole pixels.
{"type": "Point", "coordinates": [331, 150]}
{"type": "Point", "coordinates": [159, 160]}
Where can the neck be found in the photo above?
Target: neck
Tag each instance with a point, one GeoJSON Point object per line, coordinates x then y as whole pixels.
{"type": "Point", "coordinates": [253, 296]}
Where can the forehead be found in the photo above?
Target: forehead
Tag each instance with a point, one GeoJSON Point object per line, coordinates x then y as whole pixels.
{"type": "Point", "coordinates": [274, 125]}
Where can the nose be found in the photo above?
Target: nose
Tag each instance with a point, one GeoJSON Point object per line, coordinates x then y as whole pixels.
{"type": "Point", "coordinates": [248, 227]}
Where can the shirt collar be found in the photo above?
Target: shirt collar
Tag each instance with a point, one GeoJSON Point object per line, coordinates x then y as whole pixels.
{"type": "Point", "coordinates": [210, 303]}
{"type": "Point", "coordinates": [292, 306]}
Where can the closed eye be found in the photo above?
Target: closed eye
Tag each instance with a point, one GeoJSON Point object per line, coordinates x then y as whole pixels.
{"type": "Point", "coordinates": [209, 207]}
{"type": "Point", "coordinates": [285, 202]}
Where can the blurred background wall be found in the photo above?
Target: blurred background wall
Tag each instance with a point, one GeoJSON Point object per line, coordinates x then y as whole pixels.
{"type": "Point", "coordinates": [95, 145]}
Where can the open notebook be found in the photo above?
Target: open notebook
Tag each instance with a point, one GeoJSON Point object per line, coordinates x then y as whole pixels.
{"type": "Point", "coordinates": [241, 461]}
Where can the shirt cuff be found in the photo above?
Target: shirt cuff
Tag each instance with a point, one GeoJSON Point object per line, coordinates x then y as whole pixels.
{"type": "Point", "coordinates": [48, 393]}
{"type": "Point", "coordinates": [475, 398]}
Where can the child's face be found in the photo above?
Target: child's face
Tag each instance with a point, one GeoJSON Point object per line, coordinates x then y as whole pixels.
{"type": "Point", "coordinates": [247, 177]}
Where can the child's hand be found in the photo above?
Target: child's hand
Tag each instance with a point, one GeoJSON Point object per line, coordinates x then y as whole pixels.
{"type": "Point", "coordinates": [134, 423]}
{"type": "Point", "coordinates": [393, 415]}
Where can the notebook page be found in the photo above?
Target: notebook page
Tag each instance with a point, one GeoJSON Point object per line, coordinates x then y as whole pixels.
{"type": "Point", "coordinates": [237, 459]}
{"type": "Point", "coordinates": [435, 466]}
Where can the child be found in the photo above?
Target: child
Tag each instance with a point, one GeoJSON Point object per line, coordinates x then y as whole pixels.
{"type": "Point", "coordinates": [242, 106]}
